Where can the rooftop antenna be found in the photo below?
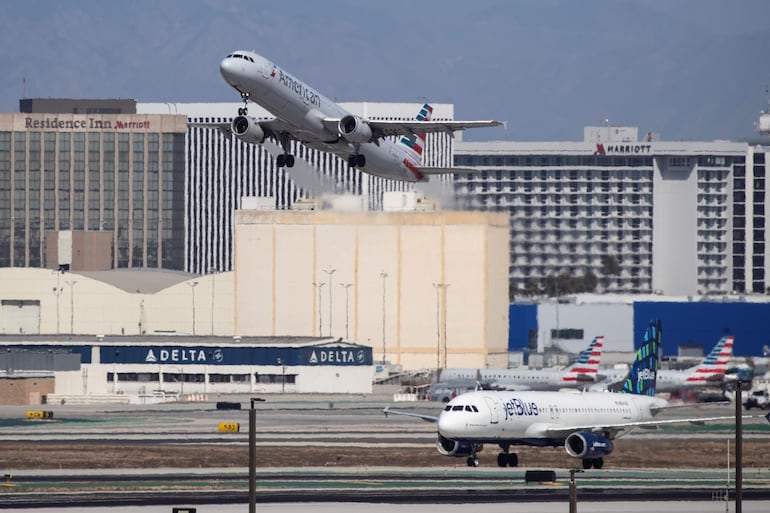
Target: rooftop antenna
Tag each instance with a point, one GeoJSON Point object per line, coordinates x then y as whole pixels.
{"type": "Point", "coordinates": [23, 87]}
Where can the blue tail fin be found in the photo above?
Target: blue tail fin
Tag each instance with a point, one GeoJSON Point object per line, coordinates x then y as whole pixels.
{"type": "Point", "coordinates": [644, 369]}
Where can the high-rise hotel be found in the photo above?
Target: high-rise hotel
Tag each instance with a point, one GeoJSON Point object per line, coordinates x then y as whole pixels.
{"type": "Point", "coordinates": [677, 218]}
{"type": "Point", "coordinates": [93, 167]}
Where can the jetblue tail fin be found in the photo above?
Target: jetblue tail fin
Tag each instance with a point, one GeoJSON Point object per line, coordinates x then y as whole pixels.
{"type": "Point", "coordinates": [586, 367]}
{"type": "Point", "coordinates": [644, 369]}
{"type": "Point", "coordinates": [415, 143]}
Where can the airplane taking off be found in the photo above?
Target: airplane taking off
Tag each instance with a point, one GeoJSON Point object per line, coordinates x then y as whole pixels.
{"type": "Point", "coordinates": [302, 114]}
{"type": "Point", "coordinates": [582, 372]}
{"type": "Point", "coordinates": [709, 372]}
{"type": "Point", "coordinates": [584, 423]}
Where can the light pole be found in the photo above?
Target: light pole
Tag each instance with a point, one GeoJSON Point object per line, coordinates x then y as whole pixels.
{"type": "Point", "coordinates": [318, 287]}
{"type": "Point", "coordinates": [213, 271]}
{"type": "Point", "coordinates": [384, 276]}
{"type": "Point", "coordinates": [192, 291]}
{"type": "Point", "coordinates": [439, 304]}
{"type": "Point", "coordinates": [329, 271]}
{"type": "Point", "coordinates": [72, 283]}
{"type": "Point", "coordinates": [347, 286]}
{"type": "Point", "coordinates": [283, 374]}
{"type": "Point", "coordinates": [446, 286]}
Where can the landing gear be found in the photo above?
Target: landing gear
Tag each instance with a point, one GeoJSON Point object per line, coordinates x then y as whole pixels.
{"type": "Point", "coordinates": [596, 463]}
{"type": "Point", "coordinates": [473, 461]}
{"type": "Point", "coordinates": [357, 160]}
{"type": "Point", "coordinates": [507, 459]}
{"type": "Point", "coordinates": [244, 110]}
{"type": "Point", "coordinates": [287, 159]}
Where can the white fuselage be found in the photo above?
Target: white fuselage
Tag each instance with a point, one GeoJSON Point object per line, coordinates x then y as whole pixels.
{"type": "Point", "coordinates": [525, 417]}
{"type": "Point", "coordinates": [303, 110]}
{"type": "Point", "coordinates": [521, 379]}
{"type": "Point", "coordinates": [667, 380]}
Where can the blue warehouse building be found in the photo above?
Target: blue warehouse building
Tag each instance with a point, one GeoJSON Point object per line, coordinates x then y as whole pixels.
{"type": "Point", "coordinates": [570, 324]}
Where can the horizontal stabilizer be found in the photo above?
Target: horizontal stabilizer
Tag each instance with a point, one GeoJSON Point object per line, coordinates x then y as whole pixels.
{"type": "Point", "coordinates": [446, 170]}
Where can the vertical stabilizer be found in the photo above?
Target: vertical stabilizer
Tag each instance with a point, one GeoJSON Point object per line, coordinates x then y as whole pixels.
{"type": "Point", "coordinates": [712, 369]}
{"type": "Point", "coordinates": [644, 370]}
{"type": "Point", "coordinates": [415, 143]}
{"type": "Point", "coordinates": [586, 367]}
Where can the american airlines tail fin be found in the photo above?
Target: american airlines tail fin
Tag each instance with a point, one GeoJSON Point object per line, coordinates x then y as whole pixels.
{"type": "Point", "coordinates": [586, 368]}
{"type": "Point", "coordinates": [415, 143]}
{"type": "Point", "coordinates": [644, 370]}
{"type": "Point", "coordinates": [712, 368]}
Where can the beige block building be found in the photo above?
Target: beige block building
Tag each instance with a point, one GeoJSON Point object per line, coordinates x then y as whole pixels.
{"type": "Point", "coordinates": [424, 289]}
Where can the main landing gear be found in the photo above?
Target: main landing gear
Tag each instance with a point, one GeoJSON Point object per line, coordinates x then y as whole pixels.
{"type": "Point", "coordinates": [596, 463]}
{"type": "Point", "coordinates": [507, 459]}
{"type": "Point", "coordinates": [287, 159]}
{"type": "Point", "coordinates": [357, 160]}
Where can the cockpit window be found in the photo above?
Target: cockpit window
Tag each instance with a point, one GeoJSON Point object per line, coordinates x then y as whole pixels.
{"type": "Point", "coordinates": [457, 407]}
{"type": "Point", "coordinates": [447, 408]}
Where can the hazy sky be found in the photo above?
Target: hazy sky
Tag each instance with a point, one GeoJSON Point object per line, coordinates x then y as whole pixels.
{"type": "Point", "coordinates": [687, 69]}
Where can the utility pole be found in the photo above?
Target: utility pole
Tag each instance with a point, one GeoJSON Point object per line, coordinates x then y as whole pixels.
{"type": "Point", "coordinates": [329, 271]}
{"type": "Point", "coordinates": [192, 290]}
{"type": "Point", "coordinates": [318, 287]}
{"type": "Point", "coordinates": [384, 276]}
{"type": "Point", "coordinates": [347, 286]}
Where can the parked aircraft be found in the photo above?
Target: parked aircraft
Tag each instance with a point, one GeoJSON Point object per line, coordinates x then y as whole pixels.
{"type": "Point", "coordinates": [585, 423]}
{"type": "Point", "coordinates": [709, 372]}
{"type": "Point", "coordinates": [582, 372]}
{"type": "Point", "coordinates": [303, 114]}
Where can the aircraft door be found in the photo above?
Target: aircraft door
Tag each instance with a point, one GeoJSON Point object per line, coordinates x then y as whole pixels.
{"type": "Point", "coordinates": [494, 416]}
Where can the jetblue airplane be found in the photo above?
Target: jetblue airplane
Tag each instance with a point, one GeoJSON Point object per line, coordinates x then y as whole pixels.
{"type": "Point", "coordinates": [584, 371]}
{"type": "Point", "coordinates": [303, 114]}
{"type": "Point", "coordinates": [709, 372]}
{"type": "Point", "coordinates": [584, 423]}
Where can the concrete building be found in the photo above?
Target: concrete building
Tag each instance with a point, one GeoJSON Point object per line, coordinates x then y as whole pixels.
{"type": "Point", "coordinates": [424, 289]}
{"type": "Point", "coordinates": [127, 369]}
{"type": "Point", "coordinates": [678, 218]}
{"type": "Point", "coordinates": [118, 173]}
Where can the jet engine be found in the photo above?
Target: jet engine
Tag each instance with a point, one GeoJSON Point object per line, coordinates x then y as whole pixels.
{"type": "Point", "coordinates": [584, 444]}
{"type": "Point", "coordinates": [355, 129]}
{"type": "Point", "coordinates": [449, 447]}
{"type": "Point", "coordinates": [248, 130]}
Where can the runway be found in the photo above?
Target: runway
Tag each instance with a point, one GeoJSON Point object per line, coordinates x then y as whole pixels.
{"type": "Point", "coordinates": [286, 423]}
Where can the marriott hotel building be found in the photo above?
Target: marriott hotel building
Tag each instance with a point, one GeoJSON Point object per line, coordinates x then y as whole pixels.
{"type": "Point", "coordinates": [92, 167]}
{"type": "Point", "coordinates": [677, 218]}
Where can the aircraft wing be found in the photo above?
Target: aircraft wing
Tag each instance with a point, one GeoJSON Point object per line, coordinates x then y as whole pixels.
{"type": "Point", "coordinates": [445, 170]}
{"type": "Point", "coordinates": [386, 128]}
{"type": "Point", "coordinates": [563, 431]}
{"type": "Point", "coordinates": [426, 418]}
{"type": "Point", "coordinates": [271, 126]}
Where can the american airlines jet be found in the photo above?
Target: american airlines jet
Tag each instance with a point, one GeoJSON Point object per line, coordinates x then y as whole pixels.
{"type": "Point", "coordinates": [585, 424]}
{"type": "Point", "coordinates": [580, 373]}
{"type": "Point", "coordinates": [303, 114]}
{"type": "Point", "coordinates": [709, 372]}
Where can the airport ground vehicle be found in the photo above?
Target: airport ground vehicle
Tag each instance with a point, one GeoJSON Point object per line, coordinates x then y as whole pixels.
{"type": "Point", "coordinates": [757, 399]}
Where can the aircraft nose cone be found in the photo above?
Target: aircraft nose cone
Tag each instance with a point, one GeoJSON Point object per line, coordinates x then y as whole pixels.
{"type": "Point", "coordinates": [228, 68]}
{"type": "Point", "coordinates": [447, 425]}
